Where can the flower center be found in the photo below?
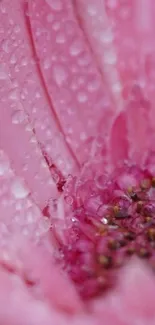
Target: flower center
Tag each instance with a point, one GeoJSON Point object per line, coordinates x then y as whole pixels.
{"type": "Point", "coordinates": [123, 224]}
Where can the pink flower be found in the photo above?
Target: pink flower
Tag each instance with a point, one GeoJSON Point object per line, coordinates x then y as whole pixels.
{"type": "Point", "coordinates": [77, 186]}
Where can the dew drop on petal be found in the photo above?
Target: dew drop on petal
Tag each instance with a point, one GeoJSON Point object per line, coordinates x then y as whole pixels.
{"type": "Point", "coordinates": [76, 48]}
{"type": "Point", "coordinates": [4, 167]}
{"type": "Point", "coordinates": [44, 225]}
{"type": "Point", "coordinates": [56, 26]}
{"type": "Point", "coordinates": [24, 62]}
{"type": "Point", "coordinates": [92, 10]}
{"type": "Point", "coordinates": [60, 74]}
{"type": "Point", "coordinates": [50, 18]}
{"type": "Point", "coordinates": [47, 64]}
{"type": "Point", "coordinates": [82, 97]}
{"type": "Point", "coordinates": [18, 117]}
{"type": "Point", "coordinates": [93, 85]}
{"type": "Point", "coordinates": [60, 38]}
{"type": "Point", "coordinates": [55, 4]}
{"type": "Point", "coordinates": [19, 190]}
{"type": "Point", "coordinates": [13, 59]}
{"type": "Point", "coordinates": [3, 74]}
{"type": "Point", "coordinates": [107, 37]}
{"type": "Point", "coordinates": [13, 94]}
{"type": "Point", "coordinates": [17, 29]}
{"type": "Point", "coordinates": [5, 46]}
{"type": "Point", "coordinates": [110, 57]}
{"type": "Point", "coordinates": [112, 4]}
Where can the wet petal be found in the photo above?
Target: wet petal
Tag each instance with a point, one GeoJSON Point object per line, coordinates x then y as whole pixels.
{"type": "Point", "coordinates": [18, 213]}
{"type": "Point", "coordinates": [77, 90]}
{"type": "Point", "coordinates": [19, 142]}
{"type": "Point", "coordinates": [18, 54]}
{"type": "Point", "coordinates": [110, 27]}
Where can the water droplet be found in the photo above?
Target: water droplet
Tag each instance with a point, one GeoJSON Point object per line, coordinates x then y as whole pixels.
{"type": "Point", "coordinates": [92, 10]}
{"type": "Point", "coordinates": [37, 94]}
{"type": "Point", "coordinates": [2, 8]}
{"type": "Point", "coordinates": [69, 200]}
{"type": "Point", "coordinates": [18, 117]}
{"type": "Point", "coordinates": [15, 83]}
{"type": "Point", "coordinates": [49, 133]}
{"type": "Point", "coordinates": [82, 97]}
{"type": "Point", "coordinates": [55, 4]}
{"type": "Point", "coordinates": [31, 216]}
{"type": "Point", "coordinates": [47, 64]}
{"type": "Point", "coordinates": [60, 39]}
{"type": "Point", "coordinates": [56, 25]}
{"type": "Point", "coordinates": [110, 57]}
{"type": "Point", "coordinates": [104, 221]}
{"type": "Point", "coordinates": [3, 74]}
{"type": "Point", "coordinates": [60, 74]}
{"type": "Point", "coordinates": [50, 18]}
{"type": "Point", "coordinates": [33, 139]}
{"type": "Point", "coordinates": [44, 225]}
{"type": "Point", "coordinates": [93, 85]}
{"type": "Point", "coordinates": [43, 164]}
{"type": "Point", "coordinates": [34, 110]}
{"type": "Point", "coordinates": [112, 4]}
{"type": "Point", "coordinates": [106, 37]}
{"type": "Point", "coordinates": [28, 128]}
{"type": "Point", "coordinates": [76, 48]}
{"type": "Point", "coordinates": [17, 29]}
{"type": "Point", "coordinates": [25, 168]}
{"type": "Point", "coordinates": [24, 62]}
{"type": "Point", "coordinates": [18, 206]}
{"type": "Point", "coordinates": [38, 32]}
{"type": "Point", "coordinates": [13, 59]}
{"type": "Point", "coordinates": [17, 68]}
{"type": "Point", "coordinates": [4, 167]}
{"type": "Point", "coordinates": [69, 130]}
{"type": "Point", "coordinates": [5, 46]}
{"type": "Point", "coordinates": [19, 190]}
{"type": "Point", "coordinates": [13, 94]}
{"type": "Point", "coordinates": [83, 136]}
{"type": "Point", "coordinates": [117, 87]}
{"type": "Point", "coordinates": [84, 60]}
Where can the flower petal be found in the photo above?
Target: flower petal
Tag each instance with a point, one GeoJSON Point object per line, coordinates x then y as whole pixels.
{"type": "Point", "coordinates": [18, 54]}
{"type": "Point", "coordinates": [71, 75]}
{"type": "Point", "coordinates": [126, 61]}
{"type": "Point", "coordinates": [99, 32]}
{"type": "Point", "coordinates": [19, 142]}
{"type": "Point", "coordinates": [18, 213]}
{"type": "Point", "coordinates": [138, 291]}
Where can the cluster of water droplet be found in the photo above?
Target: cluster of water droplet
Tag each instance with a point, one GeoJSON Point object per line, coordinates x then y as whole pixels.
{"type": "Point", "coordinates": [111, 221]}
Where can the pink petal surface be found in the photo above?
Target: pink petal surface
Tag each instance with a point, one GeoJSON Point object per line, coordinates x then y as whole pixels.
{"type": "Point", "coordinates": [72, 77]}
{"type": "Point", "coordinates": [21, 227]}
{"type": "Point", "coordinates": [24, 152]}
{"type": "Point", "coordinates": [26, 292]}
{"type": "Point", "coordinates": [19, 57]}
{"type": "Point", "coordinates": [110, 29]}
{"type": "Point", "coordinates": [68, 74]}
{"type": "Point", "coordinates": [136, 67]}
{"type": "Point", "coordinates": [95, 21]}
{"type": "Point", "coordinates": [133, 300]}
{"type": "Point", "coordinates": [18, 212]}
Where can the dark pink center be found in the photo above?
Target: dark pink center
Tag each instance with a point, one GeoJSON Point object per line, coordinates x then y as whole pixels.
{"type": "Point", "coordinates": [100, 242]}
